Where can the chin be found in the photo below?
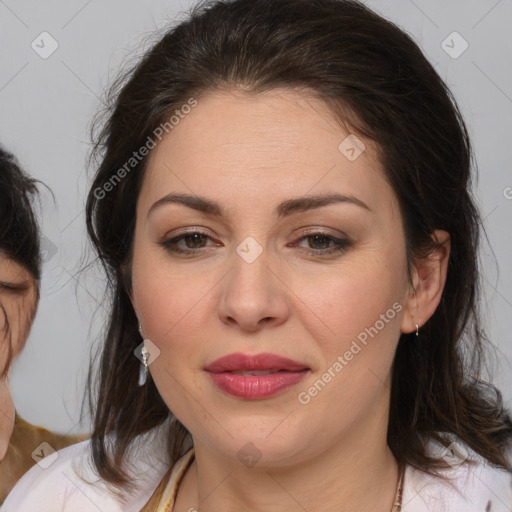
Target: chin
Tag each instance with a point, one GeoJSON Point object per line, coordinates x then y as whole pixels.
{"type": "Point", "coordinates": [254, 449]}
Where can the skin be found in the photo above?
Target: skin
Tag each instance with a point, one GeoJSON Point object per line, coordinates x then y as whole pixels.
{"type": "Point", "coordinates": [18, 300]}
{"type": "Point", "coordinates": [249, 153]}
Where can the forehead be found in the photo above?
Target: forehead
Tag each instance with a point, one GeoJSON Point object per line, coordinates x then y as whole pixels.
{"type": "Point", "coordinates": [264, 146]}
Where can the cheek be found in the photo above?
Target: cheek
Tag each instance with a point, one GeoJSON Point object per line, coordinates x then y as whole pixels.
{"type": "Point", "coordinates": [170, 302]}
{"type": "Point", "coordinates": [16, 315]}
{"type": "Point", "coordinates": [356, 326]}
{"type": "Point", "coordinates": [173, 308]}
{"type": "Point", "coordinates": [161, 305]}
{"type": "Point", "coordinates": [338, 305]}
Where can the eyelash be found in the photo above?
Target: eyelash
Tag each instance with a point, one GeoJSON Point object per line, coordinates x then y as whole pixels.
{"type": "Point", "coordinates": [342, 244]}
{"type": "Point", "coordinates": [12, 288]}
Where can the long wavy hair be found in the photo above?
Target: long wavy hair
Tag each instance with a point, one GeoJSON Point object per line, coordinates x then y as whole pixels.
{"type": "Point", "coordinates": [376, 80]}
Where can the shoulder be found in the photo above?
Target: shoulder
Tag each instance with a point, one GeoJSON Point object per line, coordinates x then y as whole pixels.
{"type": "Point", "coordinates": [25, 433]}
{"type": "Point", "coordinates": [471, 484]}
{"type": "Point", "coordinates": [66, 480]}
{"type": "Point", "coordinates": [26, 445]}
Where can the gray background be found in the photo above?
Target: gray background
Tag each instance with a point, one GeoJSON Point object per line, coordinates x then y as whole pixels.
{"type": "Point", "coordinates": [46, 107]}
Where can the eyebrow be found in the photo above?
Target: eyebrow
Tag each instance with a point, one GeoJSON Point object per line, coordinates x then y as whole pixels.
{"type": "Point", "coordinates": [284, 209]}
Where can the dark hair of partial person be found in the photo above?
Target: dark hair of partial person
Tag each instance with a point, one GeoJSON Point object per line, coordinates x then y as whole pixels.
{"type": "Point", "coordinates": [377, 82]}
{"type": "Point", "coordinates": [19, 231]}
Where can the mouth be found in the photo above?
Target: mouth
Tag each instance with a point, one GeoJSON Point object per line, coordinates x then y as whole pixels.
{"type": "Point", "coordinates": [255, 377]}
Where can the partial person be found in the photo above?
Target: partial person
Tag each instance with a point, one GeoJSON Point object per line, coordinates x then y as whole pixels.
{"type": "Point", "coordinates": [20, 273]}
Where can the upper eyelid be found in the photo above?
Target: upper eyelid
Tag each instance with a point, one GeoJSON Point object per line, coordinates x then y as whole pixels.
{"type": "Point", "coordinates": [340, 239]}
{"type": "Point", "coordinates": [205, 232]}
{"type": "Point", "coordinates": [187, 230]}
{"type": "Point", "coordinates": [184, 234]}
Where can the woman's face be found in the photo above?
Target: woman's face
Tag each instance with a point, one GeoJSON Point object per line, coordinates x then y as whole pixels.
{"type": "Point", "coordinates": [18, 300]}
{"type": "Point", "coordinates": [291, 244]}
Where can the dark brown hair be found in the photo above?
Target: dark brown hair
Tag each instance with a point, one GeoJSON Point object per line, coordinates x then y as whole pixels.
{"type": "Point", "coordinates": [376, 80]}
{"type": "Point", "coordinates": [19, 232]}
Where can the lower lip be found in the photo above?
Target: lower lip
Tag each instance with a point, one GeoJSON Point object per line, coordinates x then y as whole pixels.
{"type": "Point", "coordinates": [255, 387]}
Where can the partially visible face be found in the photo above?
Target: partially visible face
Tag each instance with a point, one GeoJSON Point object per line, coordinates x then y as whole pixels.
{"type": "Point", "coordinates": [303, 282]}
{"type": "Point", "coordinates": [18, 301]}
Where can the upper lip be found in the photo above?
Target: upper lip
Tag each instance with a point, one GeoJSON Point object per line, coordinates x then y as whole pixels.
{"type": "Point", "coordinates": [265, 361]}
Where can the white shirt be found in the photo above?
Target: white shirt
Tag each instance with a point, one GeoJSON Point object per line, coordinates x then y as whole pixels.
{"type": "Point", "coordinates": [478, 488]}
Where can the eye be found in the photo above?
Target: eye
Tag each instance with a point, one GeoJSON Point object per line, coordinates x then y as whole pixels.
{"type": "Point", "coordinates": [324, 243]}
{"type": "Point", "coordinates": [194, 243]}
{"type": "Point", "coordinates": [187, 243]}
{"type": "Point", "coordinates": [13, 287]}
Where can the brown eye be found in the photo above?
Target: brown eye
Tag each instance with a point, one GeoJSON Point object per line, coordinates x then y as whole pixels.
{"type": "Point", "coordinates": [187, 243]}
{"type": "Point", "coordinates": [194, 241]}
{"type": "Point", "coordinates": [319, 241]}
{"type": "Point", "coordinates": [324, 243]}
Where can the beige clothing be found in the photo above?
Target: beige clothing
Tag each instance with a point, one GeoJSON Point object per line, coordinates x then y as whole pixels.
{"type": "Point", "coordinates": [25, 439]}
{"type": "Point", "coordinates": [165, 494]}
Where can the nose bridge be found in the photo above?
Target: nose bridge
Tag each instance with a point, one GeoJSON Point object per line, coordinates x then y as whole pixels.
{"type": "Point", "coordinates": [251, 292]}
{"type": "Point", "coordinates": [251, 276]}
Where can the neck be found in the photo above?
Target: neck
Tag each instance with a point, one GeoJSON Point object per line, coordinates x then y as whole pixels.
{"type": "Point", "coordinates": [356, 473]}
{"type": "Point", "coordinates": [7, 415]}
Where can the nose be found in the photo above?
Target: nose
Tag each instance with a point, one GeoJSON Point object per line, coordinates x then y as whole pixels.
{"type": "Point", "coordinates": [253, 296]}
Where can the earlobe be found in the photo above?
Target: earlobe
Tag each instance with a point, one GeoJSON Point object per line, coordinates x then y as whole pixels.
{"type": "Point", "coordinates": [429, 280]}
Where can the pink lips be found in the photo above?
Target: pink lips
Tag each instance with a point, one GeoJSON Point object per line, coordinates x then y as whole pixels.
{"type": "Point", "coordinates": [263, 375]}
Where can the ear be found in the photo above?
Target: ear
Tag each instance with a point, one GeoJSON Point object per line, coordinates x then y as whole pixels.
{"type": "Point", "coordinates": [429, 278]}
